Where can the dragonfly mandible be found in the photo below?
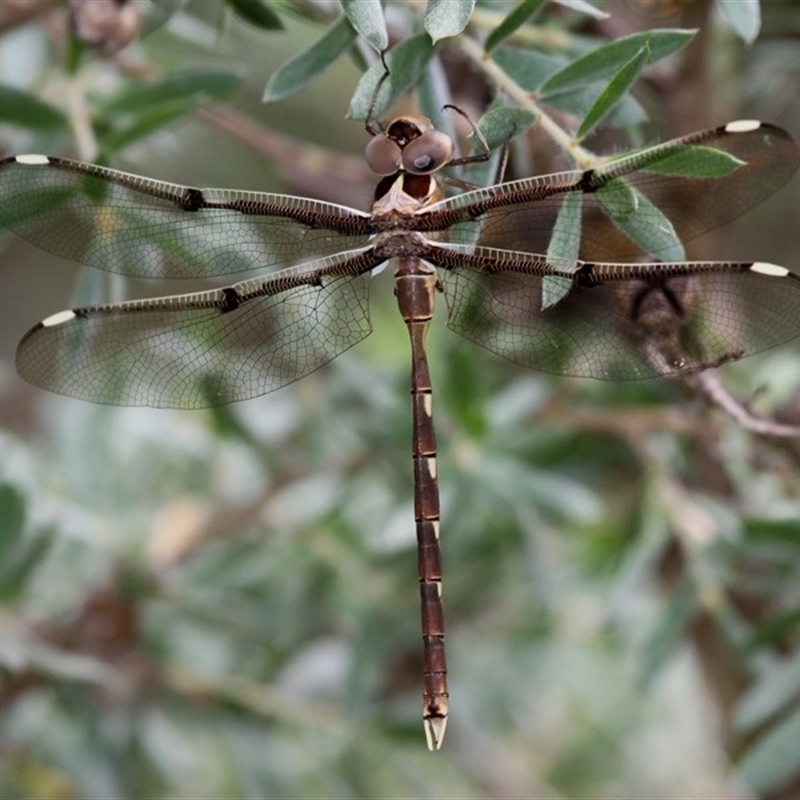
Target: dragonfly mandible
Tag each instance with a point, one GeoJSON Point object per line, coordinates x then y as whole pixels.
{"type": "Point", "coordinates": [602, 315]}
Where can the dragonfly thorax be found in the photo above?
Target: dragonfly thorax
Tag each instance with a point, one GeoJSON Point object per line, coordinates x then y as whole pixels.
{"type": "Point", "coordinates": [401, 195]}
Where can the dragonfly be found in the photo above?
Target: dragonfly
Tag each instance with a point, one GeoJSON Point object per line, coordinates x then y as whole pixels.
{"type": "Point", "coordinates": [624, 304]}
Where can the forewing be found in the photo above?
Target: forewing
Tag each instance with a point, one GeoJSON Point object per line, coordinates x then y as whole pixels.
{"type": "Point", "coordinates": [145, 228]}
{"type": "Point", "coordinates": [207, 348]}
{"type": "Point", "coordinates": [644, 204]}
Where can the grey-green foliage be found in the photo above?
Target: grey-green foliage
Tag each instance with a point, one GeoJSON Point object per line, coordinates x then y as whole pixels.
{"type": "Point", "coordinates": [224, 604]}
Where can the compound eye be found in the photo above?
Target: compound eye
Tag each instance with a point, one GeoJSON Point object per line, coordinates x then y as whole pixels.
{"type": "Point", "coordinates": [428, 152]}
{"type": "Point", "coordinates": [383, 155]}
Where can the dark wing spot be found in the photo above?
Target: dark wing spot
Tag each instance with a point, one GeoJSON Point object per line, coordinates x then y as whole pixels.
{"type": "Point", "coordinates": [193, 200]}
{"type": "Point", "coordinates": [231, 300]}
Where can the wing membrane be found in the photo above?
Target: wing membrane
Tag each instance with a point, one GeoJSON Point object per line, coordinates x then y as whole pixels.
{"type": "Point", "coordinates": [207, 348]}
{"type": "Point", "coordinates": [617, 321]}
{"type": "Point", "coordinates": [696, 183]}
{"type": "Point", "coordinates": [145, 228]}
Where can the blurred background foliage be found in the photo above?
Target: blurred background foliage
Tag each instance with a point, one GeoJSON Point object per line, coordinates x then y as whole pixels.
{"type": "Point", "coordinates": [224, 604]}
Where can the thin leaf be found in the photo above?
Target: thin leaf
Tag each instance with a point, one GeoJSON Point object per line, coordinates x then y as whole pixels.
{"type": "Point", "coordinates": [773, 629]}
{"type": "Point", "coordinates": [303, 68]}
{"type": "Point", "coordinates": [605, 61]}
{"type": "Point", "coordinates": [159, 14]}
{"type": "Point", "coordinates": [21, 108]}
{"type": "Point", "coordinates": [775, 689]}
{"type": "Point", "coordinates": [583, 7]}
{"type": "Point", "coordinates": [554, 289]}
{"type": "Point", "coordinates": [144, 125]}
{"type": "Point", "coordinates": [627, 113]}
{"type": "Point", "coordinates": [500, 125]}
{"type": "Point", "coordinates": [528, 68]}
{"type": "Point", "coordinates": [188, 87]}
{"type": "Point", "coordinates": [433, 94]}
{"type": "Point", "coordinates": [563, 248]}
{"type": "Point", "coordinates": [612, 95]}
{"type": "Point", "coordinates": [17, 573]}
{"type": "Point", "coordinates": [774, 759]}
{"type": "Point", "coordinates": [366, 16]}
{"type": "Point", "coordinates": [444, 18]}
{"type": "Point", "coordinates": [643, 222]}
{"type": "Point", "coordinates": [405, 61]}
{"type": "Point", "coordinates": [698, 162]}
{"type": "Point", "coordinates": [257, 12]}
{"type": "Point", "coordinates": [518, 17]}
{"type": "Point", "coordinates": [780, 529]}
{"type": "Point", "coordinates": [12, 520]}
{"type": "Point", "coordinates": [668, 632]}
{"type": "Point", "coordinates": [743, 16]}
{"type": "Point", "coordinates": [20, 555]}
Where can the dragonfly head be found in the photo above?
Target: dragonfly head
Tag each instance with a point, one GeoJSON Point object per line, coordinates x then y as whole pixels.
{"type": "Point", "coordinates": [409, 144]}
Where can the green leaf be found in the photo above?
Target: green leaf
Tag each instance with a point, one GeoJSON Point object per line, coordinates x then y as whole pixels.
{"type": "Point", "coordinates": [156, 105]}
{"type": "Point", "coordinates": [583, 7]}
{"type": "Point", "coordinates": [697, 162]}
{"type": "Point", "coordinates": [612, 95]}
{"type": "Point", "coordinates": [563, 248]}
{"type": "Point", "coordinates": [669, 631]}
{"type": "Point", "coordinates": [143, 125]}
{"type": "Point", "coordinates": [16, 211]}
{"type": "Point", "coordinates": [465, 394]}
{"type": "Point", "coordinates": [405, 61]}
{"type": "Point", "coordinates": [366, 16]}
{"type": "Point", "coordinates": [75, 53]}
{"type": "Point", "coordinates": [619, 198]}
{"type": "Point", "coordinates": [22, 108]}
{"type": "Point", "coordinates": [774, 758]}
{"type": "Point", "coordinates": [500, 125]}
{"type": "Point", "coordinates": [19, 554]}
{"type": "Point", "coordinates": [188, 87]}
{"type": "Point", "coordinates": [515, 19]}
{"type": "Point", "coordinates": [303, 68]}
{"type": "Point", "coordinates": [743, 16]}
{"type": "Point", "coordinates": [159, 14]}
{"type": "Point", "coordinates": [643, 222]}
{"type": "Point", "coordinates": [444, 18]}
{"type": "Point", "coordinates": [771, 630]}
{"type": "Point", "coordinates": [528, 68]}
{"type": "Point", "coordinates": [626, 114]}
{"type": "Point", "coordinates": [565, 240]}
{"type": "Point", "coordinates": [257, 12]}
{"type": "Point", "coordinates": [769, 530]}
{"type": "Point", "coordinates": [16, 571]}
{"type": "Point", "coordinates": [12, 520]}
{"type": "Point", "coordinates": [776, 688]}
{"type": "Point", "coordinates": [603, 62]}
